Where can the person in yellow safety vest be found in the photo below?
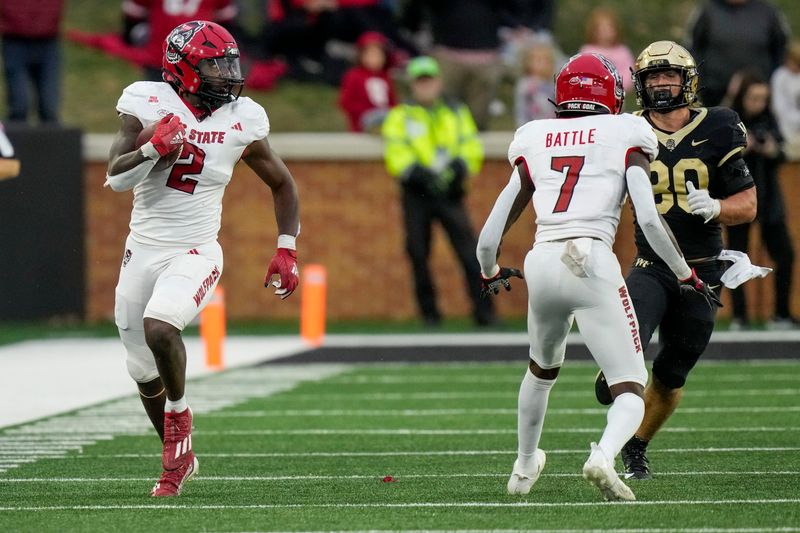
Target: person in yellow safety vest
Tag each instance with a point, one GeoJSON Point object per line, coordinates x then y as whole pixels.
{"type": "Point", "coordinates": [432, 147]}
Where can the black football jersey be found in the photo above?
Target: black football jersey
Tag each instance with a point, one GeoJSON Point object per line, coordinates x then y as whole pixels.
{"type": "Point", "coordinates": [697, 153]}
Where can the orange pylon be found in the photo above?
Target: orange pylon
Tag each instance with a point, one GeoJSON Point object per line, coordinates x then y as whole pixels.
{"type": "Point", "coordinates": [212, 329]}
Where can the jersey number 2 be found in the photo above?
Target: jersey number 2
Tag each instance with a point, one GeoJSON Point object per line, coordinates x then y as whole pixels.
{"type": "Point", "coordinates": [573, 165]}
{"type": "Point", "coordinates": [191, 161]}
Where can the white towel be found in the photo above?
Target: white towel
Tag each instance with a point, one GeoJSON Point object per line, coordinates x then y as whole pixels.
{"type": "Point", "coordinates": [576, 256]}
{"type": "Point", "coordinates": [741, 270]}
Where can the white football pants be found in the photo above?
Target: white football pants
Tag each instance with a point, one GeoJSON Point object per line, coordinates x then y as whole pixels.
{"type": "Point", "coordinates": [599, 302]}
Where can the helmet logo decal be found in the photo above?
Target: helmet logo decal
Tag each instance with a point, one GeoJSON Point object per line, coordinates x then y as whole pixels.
{"type": "Point", "coordinates": [179, 37]}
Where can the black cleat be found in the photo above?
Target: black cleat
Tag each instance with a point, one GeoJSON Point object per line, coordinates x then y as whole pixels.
{"type": "Point", "coordinates": [601, 390]}
{"type": "Point", "coordinates": [637, 466]}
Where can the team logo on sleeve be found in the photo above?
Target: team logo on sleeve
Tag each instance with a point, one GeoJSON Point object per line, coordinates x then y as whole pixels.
{"type": "Point", "coordinates": [179, 37]}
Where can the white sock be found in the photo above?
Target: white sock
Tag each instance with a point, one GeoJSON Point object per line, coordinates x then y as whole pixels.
{"type": "Point", "coordinates": [531, 408]}
{"type": "Point", "coordinates": [624, 417]}
{"type": "Point", "coordinates": [178, 406]}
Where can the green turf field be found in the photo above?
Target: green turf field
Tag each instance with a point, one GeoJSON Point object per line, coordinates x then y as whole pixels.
{"type": "Point", "coordinates": [307, 448]}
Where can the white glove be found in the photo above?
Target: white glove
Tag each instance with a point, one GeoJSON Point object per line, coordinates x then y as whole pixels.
{"type": "Point", "coordinates": [701, 203]}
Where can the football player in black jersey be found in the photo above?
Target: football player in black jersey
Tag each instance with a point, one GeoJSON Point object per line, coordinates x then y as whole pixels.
{"type": "Point", "coordinates": [700, 181]}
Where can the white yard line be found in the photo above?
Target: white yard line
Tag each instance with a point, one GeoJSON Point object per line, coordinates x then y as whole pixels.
{"type": "Point", "coordinates": [444, 377]}
{"type": "Point", "coordinates": [260, 413]}
{"type": "Point", "coordinates": [357, 477]}
{"type": "Point", "coordinates": [499, 431]}
{"type": "Point", "coordinates": [592, 530]}
{"type": "Point", "coordinates": [511, 394]}
{"type": "Point", "coordinates": [429, 453]}
{"type": "Point", "coordinates": [410, 505]}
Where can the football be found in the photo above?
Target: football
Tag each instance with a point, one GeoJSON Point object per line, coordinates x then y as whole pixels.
{"type": "Point", "coordinates": [164, 162]}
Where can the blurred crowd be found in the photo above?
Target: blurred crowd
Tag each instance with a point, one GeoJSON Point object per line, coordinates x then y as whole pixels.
{"type": "Point", "coordinates": [366, 48]}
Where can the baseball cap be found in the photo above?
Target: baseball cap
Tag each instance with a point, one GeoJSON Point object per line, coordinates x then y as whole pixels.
{"type": "Point", "coordinates": [422, 66]}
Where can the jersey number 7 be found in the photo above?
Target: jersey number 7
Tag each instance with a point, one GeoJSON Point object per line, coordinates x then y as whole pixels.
{"type": "Point", "coordinates": [573, 164]}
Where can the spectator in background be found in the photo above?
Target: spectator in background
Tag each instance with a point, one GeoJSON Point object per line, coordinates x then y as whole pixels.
{"type": "Point", "coordinates": [432, 147]}
{"type": "Point", "coordinates": [536, 15]}
{"type": "Point", "coordinates": [763, 156]}
{"type": "Point", "coordinates": [786, 100]}
{"type": "Point", "coordinates": [467, 45]}
{"type": "Point", "coordinates": [727, 36]}
{"type": "Point", "coordinates": [31, 56]}
{"type": "Point", "coordinates": [535, 90]}
{"type": "Point", "coordinates": [148, 22]}
{"type": "Point", "coordinates": [301, 31]}
{"type": "Point", "coordinates": [367, 92]}
{"type": "Point", "coordinates": [604, 36]}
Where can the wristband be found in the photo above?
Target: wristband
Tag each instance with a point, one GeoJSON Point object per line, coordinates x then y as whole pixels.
{"type": "Point", "coordinates": [287, 241]}
{"type": "Point", "coordinates": [149, 151]}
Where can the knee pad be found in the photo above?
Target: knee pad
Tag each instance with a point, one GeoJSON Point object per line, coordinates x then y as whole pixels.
{"type": "Point", "coordinates": [140, 361]}
{"type": "Point", "coordinates": [672, 365]}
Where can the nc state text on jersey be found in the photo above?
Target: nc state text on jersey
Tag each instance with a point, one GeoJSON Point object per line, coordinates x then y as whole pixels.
{"type": "Point", "coordinates": [206, 137]}
{"type": "Point", "coordinates": [565, 138]}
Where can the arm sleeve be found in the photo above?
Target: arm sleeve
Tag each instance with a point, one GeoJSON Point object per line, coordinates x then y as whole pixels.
{"type": "Point", "coordinates": [647, 216]}
{"type": "Point", "coordinates": [492, 232]}
{"type": "Point", "coordinates": [129, 179]}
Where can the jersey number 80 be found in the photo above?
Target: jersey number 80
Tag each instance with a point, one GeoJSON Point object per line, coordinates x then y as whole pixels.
{"type": "Point", "coordinates": [669, 184]}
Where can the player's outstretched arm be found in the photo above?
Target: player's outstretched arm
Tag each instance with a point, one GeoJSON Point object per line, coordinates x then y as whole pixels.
{"type": "Point", "coordinates": [509, 206]}
{"type": "Point", "coordinates": [260, 157]}
{"type": "Point", "coordinates": [641, 193]}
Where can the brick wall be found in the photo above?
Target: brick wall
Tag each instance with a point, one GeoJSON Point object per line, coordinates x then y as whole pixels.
{"type": "Point", "coordinates": [352, 224]}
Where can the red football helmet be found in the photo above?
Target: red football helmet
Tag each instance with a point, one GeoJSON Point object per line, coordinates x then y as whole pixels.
{"type": "Point", "coordinates": [202, 58]}
{"type": "Point", "coordinates": [588, 83]}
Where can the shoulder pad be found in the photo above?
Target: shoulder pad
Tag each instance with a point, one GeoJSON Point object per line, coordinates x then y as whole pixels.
{"type": "Point", "coordinates": [726, 130]}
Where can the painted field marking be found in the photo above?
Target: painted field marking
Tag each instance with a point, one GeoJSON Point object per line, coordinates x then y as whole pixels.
{"type": "Point", "coordinates": [410, 505]}
{"type": "Point", "coordinates": [420, 453]}
{"type": "Point", "coordinates": [260, 413]}
{"type": "Point", "coordinates": [754, 377]}
{"type": "Point", "coordinates": [512, 394]}
{"type": "Point", "coordinates": [447, 432]}
{"type": "Point", "coordinates": [357, 477]}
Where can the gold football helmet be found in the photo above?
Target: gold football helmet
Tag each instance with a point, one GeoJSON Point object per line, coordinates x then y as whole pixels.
{"type": "Point", "coordinates": [665, 55]}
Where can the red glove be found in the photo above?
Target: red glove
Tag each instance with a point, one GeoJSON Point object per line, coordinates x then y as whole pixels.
{"type": "Point", "coordinates": [693, 285]}
{"type": "Point", "coordinates": [284, 264]}
{"type": "Point", "coordinates": [169, 134]}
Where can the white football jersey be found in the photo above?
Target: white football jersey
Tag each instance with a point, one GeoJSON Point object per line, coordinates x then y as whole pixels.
{"type": "Point", "coordinates": [578, 169]}
{"type": "Point", "coordinates": [182, 206]}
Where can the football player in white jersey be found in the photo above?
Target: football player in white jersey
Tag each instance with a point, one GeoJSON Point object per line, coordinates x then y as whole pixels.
{"type": "Point", "coordinates": [578, 169]}
{"type": "Point", "coordinates": [172, 261]}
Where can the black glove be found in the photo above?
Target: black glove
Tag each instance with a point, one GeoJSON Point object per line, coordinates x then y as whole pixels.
{"type": "Point", "coordinates": [454, 175]}
{"type": "Point", "coordinates": [492, 285]}
{"type": "Point", "coordinates": [422, 180]}
{"type": "Point", "coordinates": [695, 285]}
